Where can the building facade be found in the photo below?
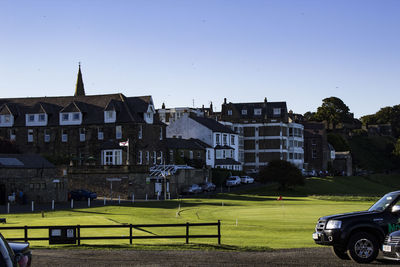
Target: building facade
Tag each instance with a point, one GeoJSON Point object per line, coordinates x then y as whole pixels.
{"type": "Point", "coordinates": [109, 129]}
{"type": "Point", "coordinates": [223, 150]}
{"type": "Point", "coordinates": [265, 133]}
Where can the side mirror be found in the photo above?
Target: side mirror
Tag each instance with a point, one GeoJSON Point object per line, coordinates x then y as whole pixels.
{"type": "Point", "coordinates": [396, 208]}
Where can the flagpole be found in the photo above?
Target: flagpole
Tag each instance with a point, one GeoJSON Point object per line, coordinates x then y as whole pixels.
{"type": "Point", "coordinates": [127, 156]}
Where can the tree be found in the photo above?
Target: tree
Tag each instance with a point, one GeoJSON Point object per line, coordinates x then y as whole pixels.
{"type": "Point", "coordinates": [396, 150]}
{"type": "Point", "coordinates": [282, 172]}
{"type": "Point", "coordinates": [309, 116]}
{"type": "Point", "coordinates": [333, 111]}
{"type": "Point", "coordinates": [386, 115]}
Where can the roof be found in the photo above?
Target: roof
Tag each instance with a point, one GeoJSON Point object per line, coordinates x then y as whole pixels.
{"type": "Point", "coordinates": [223, 147]}
{"type": "Point", "coordinates": [129, 109]}
{"type": "Point", "coordinates": [24, 161]}
{"type": "Point", "coordinates": [227, 161]}
{"type": "Point", "coordinates": [212, 124]}
{"type": "Point", "coordinates": [178, 143]}
{"type": "Point", "coordinates": [266, 108]}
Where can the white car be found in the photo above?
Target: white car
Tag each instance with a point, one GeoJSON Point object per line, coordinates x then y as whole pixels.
{"type": "Point", "coordinates": [233, 180]}
{"type": "Point", "coordinates": [246, 179]}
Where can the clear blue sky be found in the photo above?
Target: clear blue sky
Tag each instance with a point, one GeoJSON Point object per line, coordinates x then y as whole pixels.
{"type": "Point", "coordinates": [286, 50]}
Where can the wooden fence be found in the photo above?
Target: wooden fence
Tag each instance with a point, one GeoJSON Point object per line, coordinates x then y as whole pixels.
{"type": "Point", "coordinates": [77, 237]}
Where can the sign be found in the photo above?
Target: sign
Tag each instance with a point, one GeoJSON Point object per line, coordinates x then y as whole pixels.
{"type": "Point", "coordinates": [126, 143]}
{"type": "Point", "coordinates": [62, 235]}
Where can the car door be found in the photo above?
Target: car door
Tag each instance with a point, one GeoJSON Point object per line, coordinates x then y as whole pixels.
{"type": "Point", "coordinates": [393, 217]}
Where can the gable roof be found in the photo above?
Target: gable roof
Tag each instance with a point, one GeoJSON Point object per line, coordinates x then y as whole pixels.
{"type": "Point", "coordinates": [211, 124]}
{"type": "Point", "coordinates": [192, 143]}
{"type": "Point", "coordinates": [24, 161]}
{"type": "Point", "coordinates": [129, 109]}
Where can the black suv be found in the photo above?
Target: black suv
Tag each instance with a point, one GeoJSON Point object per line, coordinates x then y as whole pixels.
{"type": "Point", "coordinates": [361, 234]}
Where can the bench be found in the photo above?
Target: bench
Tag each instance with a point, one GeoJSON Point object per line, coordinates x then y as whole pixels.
{"type": "Point", "coordinates": [2, 220]}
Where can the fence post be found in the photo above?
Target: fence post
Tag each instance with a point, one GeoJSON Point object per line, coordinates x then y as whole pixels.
{"type": "Point", "coordinates": [33, 206]}
{"type": "Point", "coordinates": [79, 234]}
{"type": "Point", "coordinates": [133, 198]}
{"type": "Point", "coordinates": [88, 202]}
{"type": "Point", "coordinates": [52, 204]}
{"type": "Point", "coordinates": [119, 200]}
{"type": "Point", "coordinates": [130, 234]}
{"type": "Point", "coordinates": [25, 233]}
{"type": "Point", "coordinates": [72, 203]}
{"type": "Point", "coordinates": [219, 232]}
{"type": "Point", "coordinates": [104, 201]}
{"type": "Point", "coordinates": [8, 207]}
{"type": "Point", "coordinates": [187, 233]}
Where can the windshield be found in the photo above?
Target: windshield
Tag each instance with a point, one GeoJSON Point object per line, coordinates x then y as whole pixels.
{"type": "Point", "coordinates": [382, 203]}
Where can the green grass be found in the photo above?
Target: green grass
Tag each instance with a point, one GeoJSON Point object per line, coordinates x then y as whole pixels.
{"type": "Point", "coordinates": [263, 223]}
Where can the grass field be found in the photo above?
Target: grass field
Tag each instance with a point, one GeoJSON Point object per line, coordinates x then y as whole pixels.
{"type": "Point", "coordinates": [262, 222]}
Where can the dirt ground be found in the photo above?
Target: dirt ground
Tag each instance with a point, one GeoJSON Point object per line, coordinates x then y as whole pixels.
{"type": "Point", "coordinates": [123, 257]}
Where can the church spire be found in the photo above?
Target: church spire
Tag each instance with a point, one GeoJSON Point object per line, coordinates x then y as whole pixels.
{"type": "Point", "coordinates": [79, 89]}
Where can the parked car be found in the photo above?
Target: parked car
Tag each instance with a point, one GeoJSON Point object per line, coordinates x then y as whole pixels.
{"type": "Point", "coordinates": [246, 179]}
{"type": "Point", "coordinates": [81, 194]}
{"type": "Point", "coordinates": [193, 189]}
{"type": "Point", "coordinates": [14, 254]}
{"type": "Point", "coordinates": [208, 186]}
{"type": "Point", "coordinates": [233, 181]}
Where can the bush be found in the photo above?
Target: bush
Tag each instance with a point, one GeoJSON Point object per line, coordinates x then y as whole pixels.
{"type": "Point", "coordinates": [282, 172]}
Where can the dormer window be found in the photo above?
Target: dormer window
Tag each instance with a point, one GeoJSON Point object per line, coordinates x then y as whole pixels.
{"type": "Point", "coordinates": [277, 111]}
{"type": "Point", "coordinates": [244, 111]}
{"type": "Point", "coordinates": [148, 116]}
{"type": "Point", "coordinates": [109, 116]}
{"type": "Point", "coordinates": [6, 120]}
{"type": "Point", "coordinates": [70, 118]}
{"type": "Point", "coordinates": [65, 117]}
{"type": "Point", "coordinates": [257, 111]}
{"type": "Point", "coordinates": [36, 119]}
{"type": "Point", "coordinates": [230, 112]}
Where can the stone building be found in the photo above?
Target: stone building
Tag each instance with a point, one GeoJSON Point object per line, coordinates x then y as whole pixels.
{"type": "Point", "coordinates": [33, 176]}
{"type": "Point", "coordinates": [77, 130]}
{"type": "Point", "coordinates": [265, 133]}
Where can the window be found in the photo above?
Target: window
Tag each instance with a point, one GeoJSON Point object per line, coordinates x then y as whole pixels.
{"type": "Point", "coordinates": [244, 111]}
{"type": "Point", "coordinates": [147, 157]}
{"type": "Point", "coordinates": [82, 135]}
{"type": "Point", "coordinates": [118, 132]}
{"type": "Point", "coordinates": [140, 134]}
{"type": "Point", "coordinates": [232, 140]}
{"type": "Point", "coordinates": [198, 154]}
{"type": "Point", "coordinates": [64, 135]}
{"type": "Point", "coordinates": [218, 154]}
{"type": "Point", "coordinates": [314, 154]}
{"type": "Point", "coordinates": [46, 136]}
{"type": "Point", "coordinates": [171, 156]}
{"type": "Point", "coordinates": [290, 155]}
{"type": "Point", "coordinates": [42, 117]}
{"type": "Point", "coordinates": [65, 117]}
{"type": "Point", "coordinates": [12, 135]}
{"type": "Point", "coordinates": [161, 133]}
{"type": "Point", "coordinates": [76, 116]}
{"type": "Point", "coordinates": [182, 154]}
{"type": "Point", "coordinates": [112, 157]}
{"type": "Point", "coordinates": [109, 116]}
{"type": "Point", "coordinates": [224, 139]}
{"type": "Point", "coordinates": [257, 111]}
{"type": "Point", "coordinates": [100, 134]}
{"type": "Point", "coordinates": [7, 118]}
{"type": "Point", "coordinates": [30, 135]}
{"type": "Point", "coordinates": [208, 154]}
{"type": "Point", "coordinates": [191, 154]}
{"type": "Point", "coordinates": [154, 157]}
{"type": "Point", "coordinates": [230, 112]}
{"type": "Point", "coordinates": [31, 117]}
{"type": "Point", "coordinates": [217, 139]}
{"type": "Point", "coordinates": [223, 154]}
{"type": "Point", "coordinates": [161, 158]}
{"type": "Point", "coordinates": [139, 159]}
{"type": "Point", "coordinates": [277, 111]}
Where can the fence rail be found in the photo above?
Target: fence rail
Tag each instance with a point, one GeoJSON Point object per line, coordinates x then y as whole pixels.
{"type": "Point", "coordinates": [78, 237]}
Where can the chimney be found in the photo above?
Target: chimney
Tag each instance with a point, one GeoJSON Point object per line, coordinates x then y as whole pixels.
{"type": "Point", "coordinates": [225, 100]}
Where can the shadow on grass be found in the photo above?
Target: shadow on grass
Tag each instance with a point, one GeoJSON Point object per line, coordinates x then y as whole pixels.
{"type": "Point", "coordinates": [191, 246]}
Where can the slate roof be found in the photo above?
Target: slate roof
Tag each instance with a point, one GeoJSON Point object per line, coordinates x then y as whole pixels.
{"type": "Point", "coordinates": [129, 109]}
{"type": "Point", "coordinates": [227, 161]}
{"type": "Point", "coordinates": [212, 124]}
{"type": "Point", "coordinates": [179, 143]}
{"type": "Point", "coordinates": [24, 161]}
{"type": "Point", "coordinates": [267, 109]}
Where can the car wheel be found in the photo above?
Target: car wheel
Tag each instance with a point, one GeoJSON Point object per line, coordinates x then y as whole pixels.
{"type": "Point", "coordinates": [340, 252]}
{"type": "Point", "coordinates": [363, 247]}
